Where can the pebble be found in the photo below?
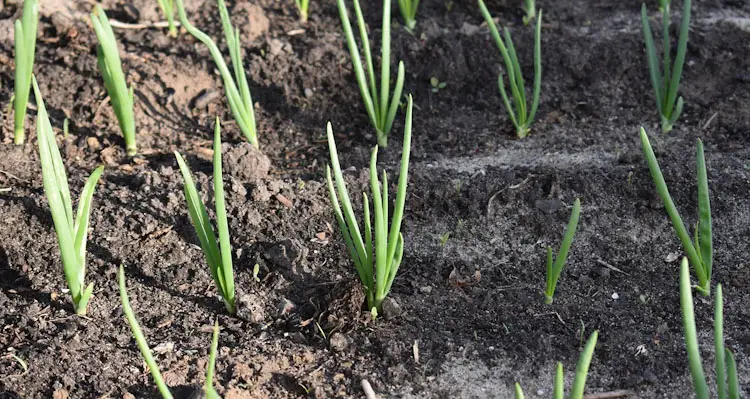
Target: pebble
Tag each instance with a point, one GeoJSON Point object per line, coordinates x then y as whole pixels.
{"type": "Point", "coordinates": [338, 342]}
{"type": "Point", "coordinates": [390, 308]}
{"type": "Point", "coordinates": [205, 98]}
{"type": "Point", "coordinates": [549, 205]}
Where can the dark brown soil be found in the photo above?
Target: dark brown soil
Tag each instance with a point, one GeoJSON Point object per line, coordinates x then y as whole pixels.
{"type": "Point", "coordinates": [472, 307]}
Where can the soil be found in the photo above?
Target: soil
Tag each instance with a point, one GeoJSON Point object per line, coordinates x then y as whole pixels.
{"type": "Point", "coordinates": [467, 318]}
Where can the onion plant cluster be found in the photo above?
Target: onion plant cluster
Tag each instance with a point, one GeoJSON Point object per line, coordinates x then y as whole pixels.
{"type": "Point", "coordinates": [381, 111]}
{"type": "Point", "coordinates": [408, 10]}
{"type": "Point", "coordinates": [700, 249]}
{"type": "Point", "coordinates": [71, 229]}
{"type": "Point", "coordinates": [667, 79]}
{"type": "Point", "coordinates": [235, 86]}
{"type": "Point", "coordinates": [377, 258]}
{"type": "Point", "coordinates": [110, 67]}
{"type": "Point", "coordinates": [218, 253]}
{"type": "Point", "coordinates": [208, 388]}
{"type": "Point", "coordinates": [582, 371]}
{"type": "Point", "coordinates": [727, 385]}
{"type": "Point", "coordinates": [520, 113]}
{"type": "Point", "coordinates": [302, 6]}
{"type": "Point", "coordinates": [24, 36]}
{"type": "Point", "coordinates": [529, 7]}
{"type": "Point", "coordinates": [555, 265]}
{"type": "Point", "coordinates": [167, 8]}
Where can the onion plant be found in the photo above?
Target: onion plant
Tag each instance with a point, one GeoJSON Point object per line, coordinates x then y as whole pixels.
{"type": "Point", "coordinates": [582, 371]}
{"type": "Point", "coordinates": [376, 262]}
{"type": "Point", "coordinates": [71, 229]}
{"type": "Point", "coordinates": [518, 110]}
{"type": "Point", "coordinates": [409, 12]}
{"type": "Point", "coordinates": [167, 7]}
{"type": "Point", "coordinates": [727, 385]}
{"type": "Point", "coordinates": [302, 7]}
{"type": "Point", "coordinates": [667, 80]}
{"type": "Point", "coordinates": [218, 253]}
{"type": "Point", "coordinates": [556, 265]}
{"type": "Point", "coordinates": [699, 250]}
{"type": "Point", "coordinates": [235, 87]}
{"type": "Point", "coordinates": [25, 45]}
{"type": "Point", "coordinates": [208, 388]}
{"type": "Point", "coordinates": [110, 67]}
{"type": "Point", "coordinates": [529, 7]}
{"type": "Point", "coordinates": [381, 111]}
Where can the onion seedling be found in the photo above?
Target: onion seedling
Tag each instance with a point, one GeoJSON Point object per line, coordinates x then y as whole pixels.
{"type": "Point", "coordinates": [381, 112]}
{"type": "Point", "coordinates": [240, 101]}
{"type": "Point", "coordinates": [302, 7]}
{"type": "Point", "coordinates": [725, 365]}
{"type": "Point", "coordinates": [699, 251]}
{"type": "Point", "coordinates": [71, 229]}
{"type": "Point", "coordinates": [218, 254]}
{"type": "Point", "coordinates": [530, 9]}
{"type": "Point", "coordinates": [167, 7]}
{"type": "Point", "coordinates": [666, 81]}
{"type": "Point", "coordinates": [409, 12]}
{"type": "Point", "coordinates": [556, 265]}
{"type": "Point", "coordinates": [148, 357]}
{"type": "Point", "coordinates": [582, 371]}
{"type": "Point", "coordinates": [110, 67]}
{"type": "Point", "coordinates": [518, 110]}
{"type": "Point", "coordinates": [376, 263]}
{"type": "Point", "coordinates": [25, 46]}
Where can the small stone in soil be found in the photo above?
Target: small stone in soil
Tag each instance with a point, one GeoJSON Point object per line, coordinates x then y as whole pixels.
{"type": "Point", "coordinates": [338, 342]}
{"type": "Point", "coordinates": [549, 205]}
{"type": "Point", "coordinates": [390, 308]}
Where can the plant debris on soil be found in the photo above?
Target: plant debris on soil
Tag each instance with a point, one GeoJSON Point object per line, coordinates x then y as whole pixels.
{"type": "Point", "coordinates": [466, 317]}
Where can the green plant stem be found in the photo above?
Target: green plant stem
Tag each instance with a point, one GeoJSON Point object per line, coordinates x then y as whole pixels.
{"type": "Point", "coordinates": [691, 336]}
{"type": "Point", "coordinates": [239, 102]}
{"type": "Point", "coordinates": [71, 230]}
{"type": "Point", "coordinates": [25, 46]}
{"type": "Point", "coordinates": [381, 111]}
{"type": "Point", "coordinates": [554, 268]}
{"type": "Point", "coordinates": [110, 66]}
{"type": "Point", "coordinates": [140, 339]}
{"type": "Point", "coordinates": [582, 368]}
{"type": "Point", "coordinates": [696, 260]}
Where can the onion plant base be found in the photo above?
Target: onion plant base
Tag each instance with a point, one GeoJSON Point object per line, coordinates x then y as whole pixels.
{"type": "Point", "coordinates": [699, 248]}
{"type": "Point", "coordinates": [71, 228]}
{"type": "Point", "coordinates": [218, 253]}
{"type": "Point", "coordinates": [377, 257]}
{"type": "Point", "coordinates": [725, 366]}
{"type": "Point", "coordinates": [24, 36]}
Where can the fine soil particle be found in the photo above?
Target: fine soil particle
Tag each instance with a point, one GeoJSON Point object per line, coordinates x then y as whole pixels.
{"type": "Point", "coordinates": [466, 317]}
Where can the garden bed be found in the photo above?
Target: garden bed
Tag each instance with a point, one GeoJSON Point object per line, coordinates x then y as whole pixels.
{"type": "Point", "coordinates": [471, 304]}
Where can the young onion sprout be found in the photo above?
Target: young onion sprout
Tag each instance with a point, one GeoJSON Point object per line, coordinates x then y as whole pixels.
{"type": "Point", "coordinates": [110, 67]}
{"type": "Point", "coordinates": [727, 385]}
{"type": "Point", "coordinates": [582, 371]}
{"type": "Point", "coordinates": [25, 45]}
{"type": "Point", "coordinates": [218, 253]}
{"type": "Point", "coordinates": [699, 251]}
{"type": "Point", "coordinates": [72, 229]}
{"type": "Point", "coordinates": [556, 265]}
{"type": "Point", "coordinates": [302, 6]}
{"type": "Point", "coordinates": [381, 111]}
{"type": "Point", "coordinates": [408, 10]}
{"type": "Point", "coordinates": [167, 7]}
{"type": "Point", "coordinates": [148, 357]}
{"type": "Point", "coordinates": [376, 262]}
{"type": "Point", "coordinates": [518, 109]}
{"type": "Point", "coordinates": [236, 87]}
{"type": "Point", "coordinates": [530, 9]}
{"type": "Point", "coordinates": [666, 81]}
